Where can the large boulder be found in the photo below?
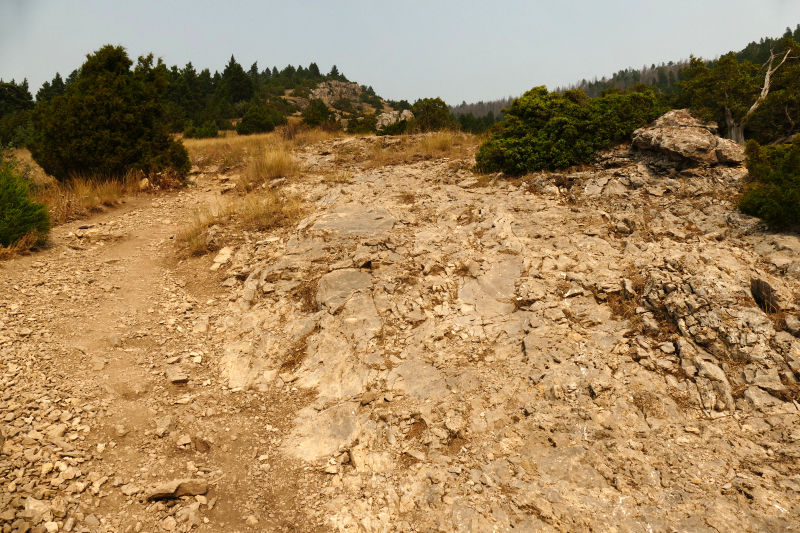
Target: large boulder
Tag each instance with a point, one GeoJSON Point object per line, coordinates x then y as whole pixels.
{"type": "Point", "coordinates": [681, 136]}
{"type": "Point", "coordinates": [387, 119]}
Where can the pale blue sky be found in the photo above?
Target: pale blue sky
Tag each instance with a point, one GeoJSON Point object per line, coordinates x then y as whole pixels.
{"type": "Point", "coordinates": [458, 50]}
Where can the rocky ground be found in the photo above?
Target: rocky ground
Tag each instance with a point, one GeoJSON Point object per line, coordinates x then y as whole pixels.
{"type": "Point", "coordinates": [425, 351]}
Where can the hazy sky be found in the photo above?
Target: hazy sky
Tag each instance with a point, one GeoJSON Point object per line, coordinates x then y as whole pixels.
{"type": "Point", "coordinates": [458, 50]}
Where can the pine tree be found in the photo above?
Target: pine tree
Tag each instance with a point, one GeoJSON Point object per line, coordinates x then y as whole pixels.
{"type": "Point", "coordinates": [73, 76]}
{"type": "Point", "coordinates": [236, 85]}
{"type": "Point", "coordinates": [109, 121]}
{"type": "Point", "coordinates": [44, 94]}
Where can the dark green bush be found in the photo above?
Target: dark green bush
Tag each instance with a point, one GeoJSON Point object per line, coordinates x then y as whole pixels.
{"type": "Point", "coordinates": [773, 189]}
{"type": "Point", "coordinates": [16, 103]}
{"type": "Point", "coordinates": [259, 119]}
{"type": "Point", "coordinates": [316, 113]}
{"type": "Point", "coordinates": [365, 125]}
{"type": "Point", "coordinates": [19, 215]}
{"type": "Point", "coordinates": [402, 105]}
{"type": "Point", "coordinates": [431, 114]}
{"type": "Point", "coordinates": [545, 130]}
{"type": "Point", "coordinates": [398, 128]}
{"type": "Point", "coordinates": [208, 130]}
{"type": "Point", "coordinates": [109, 121]}
{"type": "Point", "coordinates": [344, 104]}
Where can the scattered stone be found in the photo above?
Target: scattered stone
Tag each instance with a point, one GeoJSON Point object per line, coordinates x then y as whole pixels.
{"type": "Point", "coordinates": [178, 488]}
{"type": "Point", "coordinates": [176, 375]}
{"type": "Point", "coordinates": [793, 325]}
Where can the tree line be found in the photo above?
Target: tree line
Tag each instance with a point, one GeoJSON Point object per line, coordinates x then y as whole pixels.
{"type": "Point", "coordinates": [201, 103]}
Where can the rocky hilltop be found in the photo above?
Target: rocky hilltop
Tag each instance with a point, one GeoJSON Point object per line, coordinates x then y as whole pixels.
{"type": "Point", "coordinates": [610, 348]}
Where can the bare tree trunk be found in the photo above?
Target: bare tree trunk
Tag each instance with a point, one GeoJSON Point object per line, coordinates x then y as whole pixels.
{"type": "Point", "coordinates": [735, 129]}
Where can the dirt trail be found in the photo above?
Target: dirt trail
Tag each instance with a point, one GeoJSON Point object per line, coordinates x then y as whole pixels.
{"type": "Point", "coordinates": [108, 388]}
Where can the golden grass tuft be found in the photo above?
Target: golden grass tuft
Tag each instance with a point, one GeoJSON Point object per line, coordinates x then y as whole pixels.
{"type": "Point", "coordinates": [257, 211]}
{"type": "Point", "coordinates": [193, 236]}
{"type": "Point", "coordinates": [270, 210]}
{"type": "Point", "coordinates": [412, 148]}
{"type": "Point", "coordinates": [439, 143]}
{"type": "Point", "coordinates": [272, 163]}
{"type": "Point", "coordinates": [233, 151]}
{"type": "Point", "coordinates": [22, 247]}
{"type": "Point", "coordinates": [83, 195]}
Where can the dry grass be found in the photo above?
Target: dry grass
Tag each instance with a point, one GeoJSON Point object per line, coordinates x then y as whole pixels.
{"type": "Point", "coordinates": [306, 294]}
{"type": "Point", "coordinates": [261, 212]}
{"type": "Point", "coordinates": [79, 198]}
{"type": "Point", "coordinates": [235, 151]}
{"type": "Point", "coordinates": [337, 178]}
{"type": "Point", "coordinates": [274, 162]}
{"type": "Point", "coordinates": [413, 148]}
{"type": "Point", "coordinates": [408, 197]}
{"type": "Point", "coordinates": [257, 211]}
{"type": "Point", "coordinates": [83, 196]}
{"type": "Point", "coordinates": [439, 143]}
{"type": "Point", "coordinates": [226, 152]}
{"type": "Point", "coordinates": [193, 236]}
{"type": "Point", "coordinates": [624, 306]}
{"type": "Point", "coordinates": [21, 247]}
{"type": "Point", "coordinates": [296, 354]}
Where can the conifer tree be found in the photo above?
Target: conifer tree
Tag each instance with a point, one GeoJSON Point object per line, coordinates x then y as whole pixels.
{"type": "Point", "coordinates": [109, 121]}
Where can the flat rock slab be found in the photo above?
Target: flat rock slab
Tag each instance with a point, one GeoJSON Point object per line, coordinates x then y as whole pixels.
{"type": "Point", "coordinates": [318, 435]}
{"type": "Point", "coordinates": [178, 488]}
{"type": "Point", "coordinates": [418, 379]}
{"type": "Point", "coordinates": [493, 290]}
{"type": "Point", "coordinates": [335, 288]}
{"type": "Point", "coordinates": [352, 220]}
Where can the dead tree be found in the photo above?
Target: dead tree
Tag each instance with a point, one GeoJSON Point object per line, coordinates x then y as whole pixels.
{"type": "Point", "coordinates": [736, 128]}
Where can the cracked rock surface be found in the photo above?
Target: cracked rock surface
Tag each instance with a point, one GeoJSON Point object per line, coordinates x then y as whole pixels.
{"type": "Point", "coordinates": [609, 349]}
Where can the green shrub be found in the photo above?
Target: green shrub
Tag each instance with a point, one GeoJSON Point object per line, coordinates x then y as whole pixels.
{"type": "Point", "coordinates": [260, 119]}
{"type": "Point", "coordinates": [398, 128]}
{"type": "Point", "coordinates": [110, 121]}
{"type": "Point", "coordinates": [431, 114]}
{"type": "Point", "coordinates": [773, 189]}
{"type": "Point", "coordinates": [19, 215]}
{"type": "Point", "coordinates": [316, 113]}
{"type": "Point", "coordinates": [367, 124]}
{"type": "Point", "coordinates": [344, 105]}
{"type": "Point", "coordinates": [545, 130]}
{"type": "Point", "coordinates": [16, 103]}
{"type": "Point", "coordinates": [208, 130]}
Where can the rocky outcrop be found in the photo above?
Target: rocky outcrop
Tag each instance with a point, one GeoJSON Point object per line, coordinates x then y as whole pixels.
{"type": "Point", "coordinates": [387, 119]}
{"type": "Point", "coordinates": [545, 356]}
{"type": "Point", "coordinates": [333, 90]}
{"type": "Point", "coordinates": [679, 135]}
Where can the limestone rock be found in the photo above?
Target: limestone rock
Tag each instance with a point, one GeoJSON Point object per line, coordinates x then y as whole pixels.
{"type": "Point", "coordinates": [178, 488]}
{"type": "Point", "coordinates": [354, 219]}
{"type": "Point", "coordinates": [387, 119]}
{"type": "Point", "coordinates": [335, 288]}
{"type": "Point", "coordinates": [684, 137]}
{"type": "Point", "coordinates": [320, 434]}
